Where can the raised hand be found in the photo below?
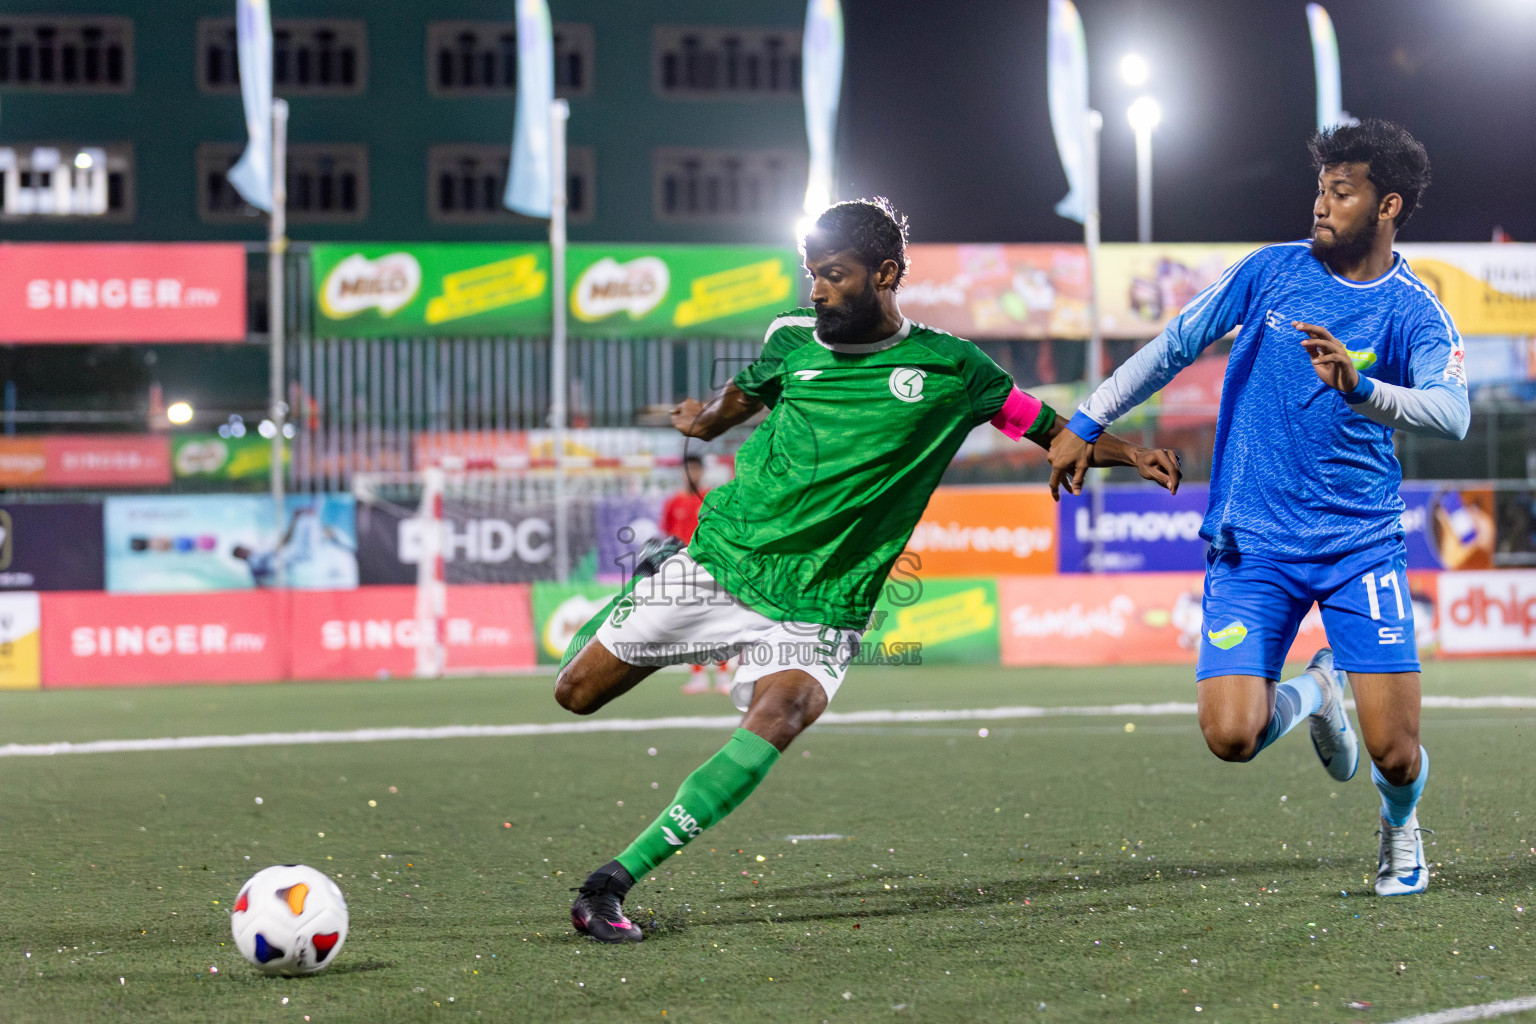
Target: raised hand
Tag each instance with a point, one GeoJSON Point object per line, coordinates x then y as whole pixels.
{"type": "Point", "coordinates": [1330, 359]}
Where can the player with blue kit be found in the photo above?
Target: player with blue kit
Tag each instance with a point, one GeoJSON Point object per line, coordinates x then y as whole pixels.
{"type": "Point", "coordinates": [1340, 346]}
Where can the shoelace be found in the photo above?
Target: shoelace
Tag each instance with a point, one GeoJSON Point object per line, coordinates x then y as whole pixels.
{"type": "Point", "coordinates": [605, 905]}
{"type": "Point", "coordinates": [1403, 842]}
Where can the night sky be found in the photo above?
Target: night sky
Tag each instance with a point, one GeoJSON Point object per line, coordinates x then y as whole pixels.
{"type": "Point", "coordinates": [944, 110]}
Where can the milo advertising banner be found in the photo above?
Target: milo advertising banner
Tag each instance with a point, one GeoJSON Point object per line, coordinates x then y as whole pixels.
{"type": "Point", "coordinates": [211, 457]}
{"type": "Point", "coordinates": [445, 289]}
{"type": "Point", "coordinates": [559, 610]}
{"type": "Point", "coordinates": [448, 288]}
{"type": "Point", "coordinates": [939, 619]}
{"type": "Point", "coordinates": [651, 290]}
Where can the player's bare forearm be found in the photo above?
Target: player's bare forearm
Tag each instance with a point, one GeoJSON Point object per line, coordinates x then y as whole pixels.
{"type": "Point", "coordinates": [706, 422]}
{"type": "Point", "coordinates": [1071, 458]}
{"type": "Point", "coordinates": [1160, 465]}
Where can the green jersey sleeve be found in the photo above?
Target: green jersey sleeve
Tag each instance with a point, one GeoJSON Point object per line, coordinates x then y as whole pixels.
{"type": "Point", "coordinates": [987, 384]}
{"type": "Point", "coordinates": [760, 379]}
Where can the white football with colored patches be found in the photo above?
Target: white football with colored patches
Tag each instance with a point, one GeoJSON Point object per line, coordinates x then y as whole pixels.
{"type": "Point", "coordinates": [289, 919]}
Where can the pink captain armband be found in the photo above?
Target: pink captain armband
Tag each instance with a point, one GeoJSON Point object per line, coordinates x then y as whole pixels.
{"type": "Point", "coordinates": [1018, 414]}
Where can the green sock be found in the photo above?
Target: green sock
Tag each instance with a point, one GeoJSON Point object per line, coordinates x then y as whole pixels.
{"type": "Point", "coordinates": [715, 789]}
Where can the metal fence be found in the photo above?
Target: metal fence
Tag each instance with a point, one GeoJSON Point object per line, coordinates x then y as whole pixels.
{"type": "Point", "coordinates": [358, 405]}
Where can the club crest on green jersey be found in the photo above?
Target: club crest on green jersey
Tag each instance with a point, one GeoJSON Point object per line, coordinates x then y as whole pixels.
{"type": "Point", "coordinates": [906, 383]}
{"type": "Point", "coordinates": [621, 611]}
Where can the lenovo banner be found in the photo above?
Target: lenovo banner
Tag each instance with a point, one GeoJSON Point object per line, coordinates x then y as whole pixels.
{"type": "Point", "coordinates": [128, 292]}
{"type": "Point", "coordinates": [85, 460]}
{"type": "Point", "coordinates": [138, 640]}
{"type": "Point", "coordinates": [1487, 612]}
{"type": "Point", "coordinates": [51, 547]}
{"type": "Point", "coordinates": [371, 632]}
{"type": "Point", "coordinates": [986, 531]}
{"type": "Point", "coordinates": [1139, 529]}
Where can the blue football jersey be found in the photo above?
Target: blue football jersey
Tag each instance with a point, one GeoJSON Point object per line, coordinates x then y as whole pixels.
{"type": "Point", "coordinates": [1299, 469]}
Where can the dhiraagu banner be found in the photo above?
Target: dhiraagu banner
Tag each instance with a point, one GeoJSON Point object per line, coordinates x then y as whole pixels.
{"type": "Point", "coordinates": [383, 290]}
{"type": "Point", "coordinates": [651, 290]}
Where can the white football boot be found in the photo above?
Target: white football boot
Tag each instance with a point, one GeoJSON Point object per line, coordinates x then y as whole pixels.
{"type": "Point", "coordinates": [1332, 736]}
{"type": "Point", "coordinates": [1400, 868]}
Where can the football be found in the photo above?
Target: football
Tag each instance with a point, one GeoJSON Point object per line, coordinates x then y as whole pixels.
{"type": "Point", "coordinates": [289, 919]}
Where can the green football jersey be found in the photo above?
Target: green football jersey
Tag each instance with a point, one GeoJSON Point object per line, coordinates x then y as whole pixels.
{"type": "Point", "coordinates": [830, 486]}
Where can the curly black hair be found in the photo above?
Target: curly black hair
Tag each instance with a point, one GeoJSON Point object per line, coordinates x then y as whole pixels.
{"type": "Point", "coordinates": [1396, 160]}
{"type": "Point", "coordinates": [870, 227]}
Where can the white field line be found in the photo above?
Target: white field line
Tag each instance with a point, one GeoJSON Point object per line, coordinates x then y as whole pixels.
{"type": "Point", "coordinates": [454, 732]}
{"type": "Point", "coordinates": [1484, 1011]}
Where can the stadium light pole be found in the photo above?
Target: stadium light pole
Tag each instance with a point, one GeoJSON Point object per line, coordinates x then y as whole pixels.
{"type": "Point", "coordinates": [277, 249]}
{"type": "Point", "coordinates": [1144, 115]}
{"type": "Point", "coordinates": [559, 414]}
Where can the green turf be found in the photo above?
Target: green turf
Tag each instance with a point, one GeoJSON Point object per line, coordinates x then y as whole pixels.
{"type": "Point", "coordinates": [1058, 869]}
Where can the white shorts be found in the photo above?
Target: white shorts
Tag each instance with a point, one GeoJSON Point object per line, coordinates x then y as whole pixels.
{"type": "Point", "coordinates": [683, 615]}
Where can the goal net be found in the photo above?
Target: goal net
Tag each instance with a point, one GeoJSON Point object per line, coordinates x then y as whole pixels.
{"type": "Point", "coordinates": [472, 523]}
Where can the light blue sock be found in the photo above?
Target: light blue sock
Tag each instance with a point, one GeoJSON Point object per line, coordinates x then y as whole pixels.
{"type": "Point", "coordinates": [1295, 699]}
{"type": "Point", "coordinates": [1398, 802]}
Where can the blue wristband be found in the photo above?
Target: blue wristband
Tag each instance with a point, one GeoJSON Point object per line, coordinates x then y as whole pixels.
{"type": "Point", "coordinates": [1085, 427]}
{"type": "Point", "coordinates": [1363, 390]}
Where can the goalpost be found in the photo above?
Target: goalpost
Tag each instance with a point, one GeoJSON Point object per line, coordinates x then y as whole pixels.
{"type": "Point", "coordinates": [509, 520]}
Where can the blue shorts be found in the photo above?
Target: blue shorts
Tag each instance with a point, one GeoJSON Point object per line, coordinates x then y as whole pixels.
{"type": "Point", "coordinates": [1254, 605]}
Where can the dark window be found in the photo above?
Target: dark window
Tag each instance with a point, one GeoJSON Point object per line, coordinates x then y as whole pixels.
{"type": "Point", "coordinates": [466, 184]}
{"type": "Point", "coordinates": [310, 56]}
{"type": "Point", "coordinates": [66, 54]}
{"type": "Point", "coordinates": [468, 58]}
{"type": "Point", "coordinates": [707, 62]}
{"type": "Point", "coordinates": [327, 182]}
{"type": "Point", "coordinates": [727, 185]}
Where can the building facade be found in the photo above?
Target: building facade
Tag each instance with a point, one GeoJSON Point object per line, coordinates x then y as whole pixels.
{"type": "Point", "coordinates": [686, 120]}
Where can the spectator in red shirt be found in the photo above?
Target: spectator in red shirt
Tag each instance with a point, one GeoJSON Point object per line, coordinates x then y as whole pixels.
{"type": "Point", "coordinates": [680, 515]}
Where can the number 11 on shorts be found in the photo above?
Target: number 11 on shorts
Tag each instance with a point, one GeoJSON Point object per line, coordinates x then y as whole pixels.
{"type": "Point", "coordinates": [1389, 580]}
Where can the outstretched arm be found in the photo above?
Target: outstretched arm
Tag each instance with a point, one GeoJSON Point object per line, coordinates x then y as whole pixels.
{"type": "Point", "coordinates": [693, 418]}
{"type": "Point", "coordinates": [1438, 407]}
{"type": "Point", "coordinates": [1207, 317]}
{"type": "Point", "coordinates": [1160, 465]}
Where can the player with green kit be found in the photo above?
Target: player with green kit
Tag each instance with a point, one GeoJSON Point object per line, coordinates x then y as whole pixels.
{"type": "Point", "coordinates": [868, 409]}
